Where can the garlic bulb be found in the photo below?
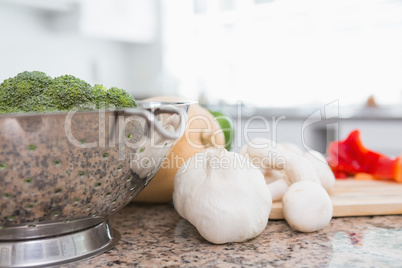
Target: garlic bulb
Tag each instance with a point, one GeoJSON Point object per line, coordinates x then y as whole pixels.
{"type": "Point", "coordinates": [223, 195]}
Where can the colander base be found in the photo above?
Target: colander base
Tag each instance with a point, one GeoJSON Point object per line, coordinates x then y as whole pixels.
{"type": "Point", "coordinates": [59, 249]}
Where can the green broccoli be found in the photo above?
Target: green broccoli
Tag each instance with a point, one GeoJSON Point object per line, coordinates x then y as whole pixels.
{"type": "Point", "coordinates": [119, 98]}
{"type": "Point", "coordinates": [101, 101]}
{"type": "Point", "coordinates": [70, 92]}
{"type": "Point", "coordinates": [37, 92]}
{"type": "Point", "coordinates": [24, 92]}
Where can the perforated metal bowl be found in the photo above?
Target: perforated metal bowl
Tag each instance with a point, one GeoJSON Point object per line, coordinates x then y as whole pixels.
{"type": "Point", "coordinates": [62, 175]}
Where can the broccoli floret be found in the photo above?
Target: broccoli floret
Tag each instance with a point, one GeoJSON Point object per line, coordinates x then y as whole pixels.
{"type": "Point", "coordinates": [100, 96]}
{"type": "Point", "coordinates": [17, 93]}
{"type": "Point", "coordinates": [120, 98]}
{"type": "Point", "coordinates": [38, 92]}
{"type": "Point", "coordinates": [39, 104]}
{"type": "Point", "coordinates": [69, 92]}
{"type": "Point", "coordinates": [113, 98]}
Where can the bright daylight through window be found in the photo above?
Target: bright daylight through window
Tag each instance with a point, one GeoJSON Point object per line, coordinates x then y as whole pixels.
{"type": "Point", "coordinates": [284, 52]}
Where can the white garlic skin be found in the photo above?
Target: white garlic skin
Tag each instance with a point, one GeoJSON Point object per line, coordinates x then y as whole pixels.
{"type": "Point", "coordinates": [224, 197]}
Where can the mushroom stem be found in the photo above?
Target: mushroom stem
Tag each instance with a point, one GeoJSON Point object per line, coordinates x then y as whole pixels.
{"type": "Point", "coordinates": [322, 168]}
{"type": "Point", "coordinates": [278, 188]}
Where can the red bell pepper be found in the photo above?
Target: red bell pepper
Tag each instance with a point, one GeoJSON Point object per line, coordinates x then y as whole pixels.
{"type": "Point", "coordinates": [350, 157]}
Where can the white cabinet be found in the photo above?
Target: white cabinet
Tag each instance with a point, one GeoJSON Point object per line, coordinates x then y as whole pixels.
{"type": "Point", "coordinates": [129, 21]}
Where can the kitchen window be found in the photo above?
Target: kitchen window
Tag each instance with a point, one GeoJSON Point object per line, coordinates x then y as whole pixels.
{"type": "Point", "coordinates": [284, 53]}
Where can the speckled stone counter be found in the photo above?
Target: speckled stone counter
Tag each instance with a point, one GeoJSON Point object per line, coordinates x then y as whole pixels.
{"type": "Point", "coordinates": [156, 236]}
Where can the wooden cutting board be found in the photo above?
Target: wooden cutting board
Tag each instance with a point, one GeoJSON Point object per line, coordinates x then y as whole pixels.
{"type": "Point", "coordinates": [359, 198]}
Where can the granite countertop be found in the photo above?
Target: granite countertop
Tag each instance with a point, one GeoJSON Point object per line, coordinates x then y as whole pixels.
{"type": "Point", "coordinates": [156, 236]}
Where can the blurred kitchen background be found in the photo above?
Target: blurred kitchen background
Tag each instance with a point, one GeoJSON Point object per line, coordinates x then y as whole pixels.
{"type": "Point", "coordinates": [327, 66]}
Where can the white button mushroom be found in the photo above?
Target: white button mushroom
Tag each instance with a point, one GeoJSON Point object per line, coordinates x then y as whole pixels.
{"type": "Point", "coordinates": [222, 195]}
{"type": "Point", "coordinates": [307, 207]}
{"type": "Point", "coordinates": [292, 147]}
{"type": "Point", "coordinates": [294, 166]}
{"type": "Point", "coordinates": [262, 153]}
{"type": "Point", "coordinates": [299, 183]}
{"type": "Point", "coordinates": [296, 169]}
{"type": "Point", "coordinates": [322, 168]}
{"type": "Point", "coordinates": [319, 162]}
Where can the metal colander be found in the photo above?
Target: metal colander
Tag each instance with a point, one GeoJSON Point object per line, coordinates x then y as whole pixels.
{"type": "Point", "coordinates": [65, 173]}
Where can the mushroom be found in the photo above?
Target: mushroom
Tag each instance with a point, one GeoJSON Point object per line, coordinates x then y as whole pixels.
{"type": "Point", "coordinates": [307, 207]}
{"type": "Point", "coordinates": [259, 151]}
{"type": "Point", "coordinates": [285, 163]}
{"type": "Point", "coordinates": [280, 166]}
{"type": "Point", "coordinates": [296, 169]}
{"type": "Point", "coordinates": [319, 162]}
{"type": "Point", "coordinates": [272, 175]}
{"type": "Point", "coordinates": [292, 147]}
{"type": "Point", "coordinates": [301, 182]}
{"type": "Point", "coordinates": [322, 168]}
{"type": "Point", "coordinates": [265, 154]}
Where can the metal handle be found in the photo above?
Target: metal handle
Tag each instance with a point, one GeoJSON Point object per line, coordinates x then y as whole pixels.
{"type": "Point", "coordinates": [149, 116]}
